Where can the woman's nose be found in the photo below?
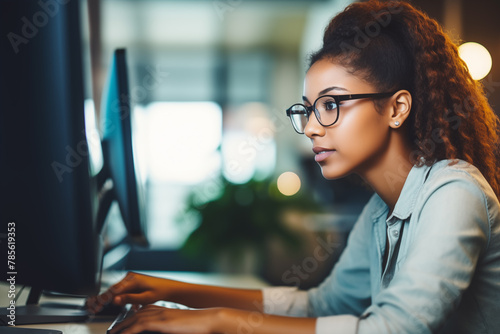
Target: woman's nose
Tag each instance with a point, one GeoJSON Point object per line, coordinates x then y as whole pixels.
{"type": "Point", "coordinates": [313, 127]}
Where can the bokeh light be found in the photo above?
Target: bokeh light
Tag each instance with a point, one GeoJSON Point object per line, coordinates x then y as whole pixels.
{"type": "Point", "coordinates": [288, 183]}
{"type": "Point", "coordinates": [477, 58]}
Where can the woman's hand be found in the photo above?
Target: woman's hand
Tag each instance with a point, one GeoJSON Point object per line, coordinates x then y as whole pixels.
{"type": "Point", "coordinates": [211, 320]}
{"type": "Point", "coordinates": [134, 289]}
{"type": "Point", "coordinates": [171, 321]}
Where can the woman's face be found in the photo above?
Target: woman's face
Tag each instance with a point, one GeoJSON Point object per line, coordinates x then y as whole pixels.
{"type": "Point", "coordinates": [359, 139]}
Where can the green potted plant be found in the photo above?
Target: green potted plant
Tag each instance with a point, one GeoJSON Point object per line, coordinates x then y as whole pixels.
{"type": "Point", "coordinates": [237, 226]}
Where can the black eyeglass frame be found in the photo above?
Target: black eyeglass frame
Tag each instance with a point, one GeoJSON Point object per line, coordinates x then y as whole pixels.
{"type": "Point", "coordinates": [338, 99]}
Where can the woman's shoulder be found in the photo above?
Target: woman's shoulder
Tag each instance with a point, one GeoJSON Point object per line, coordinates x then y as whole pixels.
{"type": "Point", "coordinates": [456, 197]}
{"type": "Point", "coordinates": [457, 173]}
{"type": "Point", "coordinates": [458, 184]}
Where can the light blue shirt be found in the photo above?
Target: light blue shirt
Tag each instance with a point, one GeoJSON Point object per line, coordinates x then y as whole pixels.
{"type": "Point", "coordinates": [443, 269]}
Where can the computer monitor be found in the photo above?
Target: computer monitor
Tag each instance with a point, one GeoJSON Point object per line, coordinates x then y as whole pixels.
{"type": "Point", "coordinates": [48, 195]}
{"type": "Point", "coordinates": [120, 164]}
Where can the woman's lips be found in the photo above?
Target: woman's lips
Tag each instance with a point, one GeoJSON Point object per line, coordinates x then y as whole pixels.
{"type": "Point", "coordinates": [322, 153]}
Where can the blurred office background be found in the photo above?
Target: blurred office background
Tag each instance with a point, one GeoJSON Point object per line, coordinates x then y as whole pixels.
{"type": "Point", "coordinates": [210, 82]}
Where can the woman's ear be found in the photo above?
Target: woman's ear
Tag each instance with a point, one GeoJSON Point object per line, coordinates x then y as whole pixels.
{"type": "Point", "coordinates": [400, 108]}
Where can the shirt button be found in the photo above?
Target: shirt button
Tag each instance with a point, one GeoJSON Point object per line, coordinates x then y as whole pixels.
{"type": "Point", "coordinates": [395, 233]}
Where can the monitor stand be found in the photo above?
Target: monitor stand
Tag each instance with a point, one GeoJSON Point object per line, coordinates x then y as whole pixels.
{"type": "Point", "coordinates": [35, 313]}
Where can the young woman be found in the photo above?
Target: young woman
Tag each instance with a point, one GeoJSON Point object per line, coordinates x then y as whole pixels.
{"type": "Point", "coordinates": [386, 97]}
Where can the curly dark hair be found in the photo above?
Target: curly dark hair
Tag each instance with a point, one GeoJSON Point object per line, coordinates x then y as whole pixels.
{"type": "Point", "coordinates": [393, 45]}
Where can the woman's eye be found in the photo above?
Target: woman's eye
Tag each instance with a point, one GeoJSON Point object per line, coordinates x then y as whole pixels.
{"type": "Point", "coordinates": [330, 105]}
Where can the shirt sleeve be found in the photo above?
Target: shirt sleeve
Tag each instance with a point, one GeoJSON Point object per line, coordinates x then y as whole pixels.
{"type": "Point", "coordinates": [347, 290]}
{"type": "Point", "coordinates": [451, 232]}
{"type": "Point", "coordinates": [288, 301]}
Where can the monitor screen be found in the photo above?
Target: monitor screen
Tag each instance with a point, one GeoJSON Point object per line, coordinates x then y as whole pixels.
{"type": "Point", "coordinates": [48, 197]}
{"type": "Point", "coordinates": [118, 150]}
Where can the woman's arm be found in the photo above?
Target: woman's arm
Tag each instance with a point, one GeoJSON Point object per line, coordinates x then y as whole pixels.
{"type": "Point", "coordinates": [203, 296]}
{"type": "Point", "coordinates": [142, 289]}
{"type": "Point", "coordinates": [219, 309]}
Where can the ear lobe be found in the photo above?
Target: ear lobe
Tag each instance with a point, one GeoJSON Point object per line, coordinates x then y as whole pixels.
{"type": "Point", "coordinates": [400, 108]}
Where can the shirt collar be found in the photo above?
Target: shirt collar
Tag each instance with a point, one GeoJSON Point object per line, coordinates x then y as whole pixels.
{"type": "Point", "coordinates": [406, 201]}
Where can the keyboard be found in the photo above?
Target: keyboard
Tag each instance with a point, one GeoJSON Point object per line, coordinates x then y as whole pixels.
{"type": "Point", "coordinates": [129, 311]}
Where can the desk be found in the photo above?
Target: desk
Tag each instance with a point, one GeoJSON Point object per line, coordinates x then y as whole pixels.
{"type": "Point", "coordinates": [99, 325]}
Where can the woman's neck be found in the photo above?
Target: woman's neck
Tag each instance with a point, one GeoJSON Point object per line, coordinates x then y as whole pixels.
{"type": "Point", "coordinates": [387, 175]}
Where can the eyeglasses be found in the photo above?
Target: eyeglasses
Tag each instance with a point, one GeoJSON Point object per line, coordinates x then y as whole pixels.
{"type": "Point", "coordinates": [326, 109]}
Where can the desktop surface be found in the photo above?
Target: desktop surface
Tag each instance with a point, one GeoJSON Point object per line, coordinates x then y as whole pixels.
{"type": "Point", "coordinates": [99, 324]}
